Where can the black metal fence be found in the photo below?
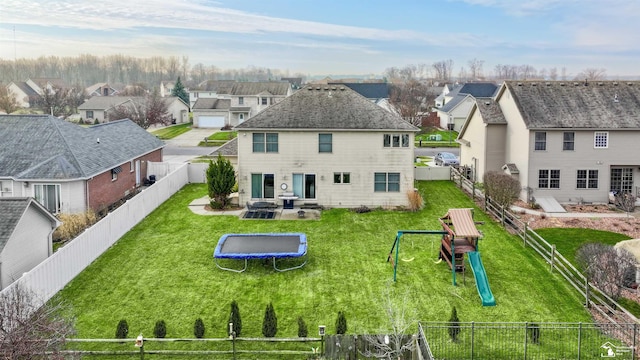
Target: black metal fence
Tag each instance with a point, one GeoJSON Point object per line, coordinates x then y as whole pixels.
{"type": "Point", "coordinates": [529, 341]}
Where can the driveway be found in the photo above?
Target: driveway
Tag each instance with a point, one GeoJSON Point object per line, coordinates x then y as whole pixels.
{"type": "Point", "coordinates": [191, 137]}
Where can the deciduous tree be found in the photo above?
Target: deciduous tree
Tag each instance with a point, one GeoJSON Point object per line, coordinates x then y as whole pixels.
{"type": "Point", "coordinates": [501, 188]}
{"type": "Point", "coordinates": [608, 268]}
{"type": "Point", "coordinates": [8, 100]}
{"type": "Point", "coordinates": [144, 111]}
{"type": "Point", "coordinates": [29, 328]}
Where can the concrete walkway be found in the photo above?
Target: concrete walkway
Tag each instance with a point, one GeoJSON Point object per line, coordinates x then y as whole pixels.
{"type": "Point", "coordinates": [197, 206]}
{"type": "Point", "coordinates": [191, 138]}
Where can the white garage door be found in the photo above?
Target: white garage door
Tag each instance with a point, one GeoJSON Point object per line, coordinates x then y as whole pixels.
{"type": "Point", "coordinates": [211, 121]}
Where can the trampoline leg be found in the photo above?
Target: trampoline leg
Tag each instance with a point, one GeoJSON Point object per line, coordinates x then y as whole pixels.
{"type": "Point", "coordinates": [229, 269]}
{"type": "Point", "coordinates": [291, 268]}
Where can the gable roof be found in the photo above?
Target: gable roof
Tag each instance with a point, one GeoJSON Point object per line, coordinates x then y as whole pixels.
{"type": "Point", "coordinates": [586, 105]}
{"type": "Point", "coordinates": [490, 112]}
{"type": "Point", "coordinates": [333, 107]}
{"type": "Point", "coordinates": [254, 88]}
{"type": "Point", "coordinates": [369, 90]}
{"type": "Point", "coordinates": [453, 103]}
{"type": "Point", "coordinates": [103, 102]}
{"type": "Point", "coordinates": [212, 103]}
{"type": "Point", "coordinates": [25, 88]}
{"type": "Point", "coordinates": [43, 82]}
{"type": "Point", "coordinates": [11, 211]}
{"type": "Point", "coordinates": [219, 86]}
{"type": "Point", "coordinates": [44, 147]}
{"type": "Point", "coordinates": [479, 89]}
{"type": "Point", "coordinates": [230, 148]}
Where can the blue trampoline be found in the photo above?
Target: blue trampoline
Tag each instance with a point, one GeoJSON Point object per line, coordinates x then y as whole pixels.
{"type": "Point", "coordinates": [261, 246]}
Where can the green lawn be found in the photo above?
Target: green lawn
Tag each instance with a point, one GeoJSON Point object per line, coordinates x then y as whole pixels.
{"type": "Point", "coordinates": [568, 240]}
{"type": "Point", "coordinates": [163, 269]}
{"type": "Point", "coordinates": [172, 131]}
{"type": "Point", "coordinates": [218, 138]}
{"type": "Point", "coordinates": [448, 138]}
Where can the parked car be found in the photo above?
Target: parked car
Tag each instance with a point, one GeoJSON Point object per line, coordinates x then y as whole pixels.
{"type": "Point", "coordinates": [446, 159]}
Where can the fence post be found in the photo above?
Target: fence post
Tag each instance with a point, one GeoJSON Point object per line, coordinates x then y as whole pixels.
{"type": "Point", "coordinates": [472, 337]}
{"type": "Point", "coordinates": [635, 333]}
{"type": "Point", "coordinates": [473, 191]}
{"type": "Point", "coordinates": [553, 254]}
{"type": "Point", "coordinates": [586, 290]}
{"type": "Point", "coordinates": [524, 234]}
{"type": "Point", "coordinates": [502, 215]}
{"type": "Point", "coordinates": [579, 338]}
{"type": "Point", "coordinates": [526, 329]}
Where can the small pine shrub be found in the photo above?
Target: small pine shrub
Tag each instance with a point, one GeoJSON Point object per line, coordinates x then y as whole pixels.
{"type": "Point", "coordinates": [234, 318]}
{"type": "Point", "coordinates": [454, 325]}
{"type": "Point", "coordinates": [160, 330]}
{"type": "Point", "coordinates": [122, 330]}
{"type": "Point", "coordinates": [415, 200]}
{"type": "Point", "coordinates": [96, 122]}
{"type": "Point", "coordinates": [270, 323]}
{"type": "Point", "coordinates": [534, 333]}
{"type": "Point", "coordinates": [198, 328]}
{"type": "Point", "coordinates": [341, 323]}
{"type": "Point", "coordinates": [303, 332]}
{"type": "Point", "coordinates": [362, 209]}
{"type": "Point", "coordinates": [226, 127]}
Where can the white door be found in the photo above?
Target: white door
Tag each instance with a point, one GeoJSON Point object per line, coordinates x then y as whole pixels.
{"type": "Point", "coordinates": [210, 121]}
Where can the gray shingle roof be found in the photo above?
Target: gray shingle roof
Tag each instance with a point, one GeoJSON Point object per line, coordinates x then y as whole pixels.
{"type": "Point", "coordinates": [103, 102]}
{"type": "Point", "coordinates": [212, 103]}
{"type": "Point", "coordinates": [219, 86]}
{"type": "Point", "coordinates": [490, 111]}
{"type": "Point", "coordinates": [11, 211]}
{"type": "Point", "coordinates": [591, 105]}
{"type": "Point", "coordinates": [254, 88]}
{"type": "Point", "coordinates": [331, 107]}
{"type": "Point", "coordinates": [25, 88]}
{"type": "Point", "coordinates": [453, 102]}
{"type": "Point", "coordinates": [479, 89]}
{"type": "Point", "coordinates": [230, 148]}
{"type": "Point", "coordinates": [43, 147]}
{"type": "Point", "coordinates": [369, 90]}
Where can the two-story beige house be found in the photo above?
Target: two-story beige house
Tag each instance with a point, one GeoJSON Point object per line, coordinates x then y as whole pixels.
{"type": "Point", "coordinates": [230, 106]}
{"type": "Point", "coordinates": [569, 141]}
{"type": "Point", "coordinates": [327, 145]}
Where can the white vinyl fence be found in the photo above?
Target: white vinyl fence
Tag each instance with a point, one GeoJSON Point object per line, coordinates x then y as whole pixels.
{"type": "Point", "coordinates": [432, 173]}
{"type": "Point", "coordinates": [51, 275]}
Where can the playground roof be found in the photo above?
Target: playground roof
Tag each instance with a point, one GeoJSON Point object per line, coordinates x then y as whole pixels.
{"type": "Point", "coordinates": [462, 222]}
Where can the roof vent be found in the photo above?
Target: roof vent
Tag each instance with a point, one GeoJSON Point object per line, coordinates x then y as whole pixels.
{"type": "Point", "coordinates": [600, 83]}
{"type": "Point", "coordinates": [98, 140]}
{"type": "Point", "coordinates": [342, 88]}
{"type": "Point", "coordinates": [519, 84]}
{"type": "Point", "coordinates": [576, 83]}
{"type": "Point", "coordinates": [487, 103]}
{"type": "Point", "coordinates": [629, 83]}
{"type": "Point", "coordinates": [615, 98]}
{"type": "Point", "coordinates": [561, 84]}
{"type": "Point", "coordinates": [310, 88]}
{"type": "Point", "coordinates": [534, 84]}
{"type": "Point", "coordinates": [318, 88]}
{"type": "Point", "coordinates": [548, 83]}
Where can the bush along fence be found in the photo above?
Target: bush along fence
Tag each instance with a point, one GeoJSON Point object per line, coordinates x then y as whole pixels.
{"type": "Point", "coordinates": [525, 341]}
{"type": "Point", "coordinates": [603, 307]}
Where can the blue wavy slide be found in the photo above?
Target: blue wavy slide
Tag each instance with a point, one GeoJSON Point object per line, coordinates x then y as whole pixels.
{"type": "Point", "coordinates": [482, 283]}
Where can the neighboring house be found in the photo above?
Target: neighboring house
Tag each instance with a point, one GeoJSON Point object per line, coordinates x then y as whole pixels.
{"type": "Point", "coordinates": [372, 91]}
{"type": "Point", "coordinates": [166, 88]}
{"type": "Point", "coordinates": [26, 229]}
{"type": "Point", "coordinates": [98, 107]}
{"type": "Point", "coordinates": [447, 92]}
{"type": "Point", "coordinates": [100, 89]}
{"type": "Point", "coordinates": [27, 91]}
{"type": "Point", "coordinates": [211, 89]}
{"type": "Point", "coordinates": [244, 100]}
{"type": "Point", "coordinates": [459, 102]}
{"type": "Point", "coordinates": [23, 93]}
{"type": "Point", "coordinates": [329, 146]}
{"type": "Point", "coordinates": [69, 168]}
{"type": "Point", "coordinates": [228, 150]}
{"type": "Point", "coordinates": [568, 141]}
{"type": "Point", "coordinates": [296, 82]}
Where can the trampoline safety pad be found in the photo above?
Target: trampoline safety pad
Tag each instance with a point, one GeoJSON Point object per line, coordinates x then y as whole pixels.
{"type": "Point", "coordinates": [261, 246]}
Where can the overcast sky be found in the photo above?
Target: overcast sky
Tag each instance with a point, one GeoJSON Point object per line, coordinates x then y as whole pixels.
{"type": "Point", "coordinates": [333, 36]}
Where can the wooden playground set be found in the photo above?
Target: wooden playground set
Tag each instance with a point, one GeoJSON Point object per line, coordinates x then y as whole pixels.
{"type": "Point", "coordinates": [460, 237]}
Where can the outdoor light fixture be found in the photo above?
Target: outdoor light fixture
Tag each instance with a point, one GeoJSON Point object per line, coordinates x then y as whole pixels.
{"type": "Point", "coordinates": [321, 329]}
{"type": "Point", "coordinates": [139, 341]}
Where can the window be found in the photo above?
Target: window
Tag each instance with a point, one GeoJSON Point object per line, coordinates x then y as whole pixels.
{"type": "Point", "coordinates": [240, 100]}
{"type": "Point", "coordinates": [304, 186]}
{"type": "Point", "coordinates": [341, 178]}
{"type": "Point", "coordinates": [568, 141]}
{"type": "Point", "coordinates": [601, 140]}
{"type": "Point", "coordinates": [265, 142]}
{"type": "Point", "coordinates": [541, 141]}
{"type": "Point", "coordinates": [263, 101]}
{"type": "Point", "coordinates": [89, 114]}
{"type": "Point", "coordinates": [396, 140]}
{"type": "Point", "coordinates": [386, 182]}
{"type": "Point", "coordinates": [114, 173]}
{"type": "Point", "coordinates": [325, 142]}
{"type": "Point", "coordinates": [241, 117]}
{"type": "Point", "coordinates": [549, 179]}
{"type": "Point", "coordinates": [131, 166]}
{"type": "Point", "coordinates": [262, 186]}
{"type": "Point", "coordinates": [48, 196]}
{"type": "Point", "coordinates": [622, 179]}
{"type": "Point", "coordinates": [587, 179]}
